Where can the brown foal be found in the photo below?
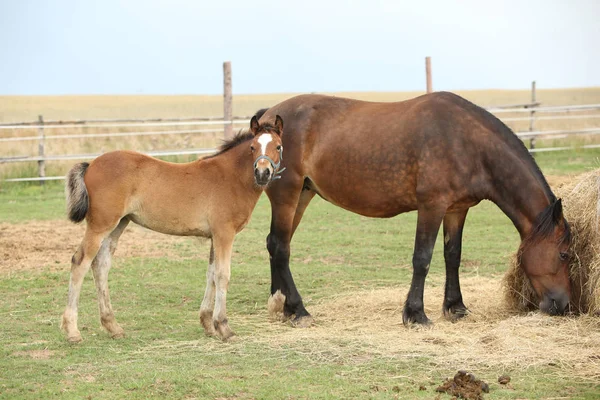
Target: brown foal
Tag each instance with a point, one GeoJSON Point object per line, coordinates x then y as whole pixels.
{"type": "Point", "coordinates": [212, 197]}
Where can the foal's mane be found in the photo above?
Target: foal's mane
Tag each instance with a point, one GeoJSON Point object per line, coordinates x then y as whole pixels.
{"type": "Point", "coordinates": [241, 137]}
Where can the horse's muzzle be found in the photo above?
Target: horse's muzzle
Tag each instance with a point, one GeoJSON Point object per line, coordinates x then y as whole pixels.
{"type": "Point", "coordinates": [555, 303]}
{"type": "Point", "coordinates": [262, 176]}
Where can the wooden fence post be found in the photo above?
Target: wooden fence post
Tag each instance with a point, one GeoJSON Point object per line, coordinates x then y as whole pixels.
{"type": "Point", "coordinates": [532, 117]}
{"type": "Point", "coordinates": [41, 150]}
{"type": "Point", "coordinates": [428, 74]}
{"type": "Point", "coordinates": [227, 100]}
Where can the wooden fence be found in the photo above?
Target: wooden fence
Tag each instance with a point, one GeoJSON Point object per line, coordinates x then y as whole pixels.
{"type": "Point", "coordinates": [224, 126]}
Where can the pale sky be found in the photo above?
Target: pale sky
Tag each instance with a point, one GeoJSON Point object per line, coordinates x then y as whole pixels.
{"type": "Point", "coordinates": [178, 46]}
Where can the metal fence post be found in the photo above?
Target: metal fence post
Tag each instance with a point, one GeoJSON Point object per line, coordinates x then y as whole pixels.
{"type": "Point", "coordinates": [227, 100]}
{"type": "Point", "coordinates": [41, 150]}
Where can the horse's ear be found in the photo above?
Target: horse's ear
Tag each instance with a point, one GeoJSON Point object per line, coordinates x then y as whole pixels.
{"type": "Point", "coordinates": [557, 212]}
{"type": "Point", "coordinates": [279, 124]}
{"type": "Point", "coordinates": [254, 125]}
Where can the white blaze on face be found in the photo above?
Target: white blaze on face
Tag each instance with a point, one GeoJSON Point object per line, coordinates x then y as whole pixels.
{"type": "Point", "coordinates": [264, 140]}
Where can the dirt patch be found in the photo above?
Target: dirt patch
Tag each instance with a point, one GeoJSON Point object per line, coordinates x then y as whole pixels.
{"type": "Point", "coordinates": [51, 244]}
{"type": "Point", "coordinates": [35, 354]}
{"type": "Point", "coordinates": [464, 386]}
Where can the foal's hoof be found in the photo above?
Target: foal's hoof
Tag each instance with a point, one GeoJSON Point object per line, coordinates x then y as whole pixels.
{"type": "Point", "coordinates": [223, 331]}
{"type": "Point", "coordinates": [455, 312]}
{"type": "Point", "coordinates": [74, 339]}
{"type": "Point", "coordinates": [305, 321]}
{"type": "Point", "coordinates": [118, 335]}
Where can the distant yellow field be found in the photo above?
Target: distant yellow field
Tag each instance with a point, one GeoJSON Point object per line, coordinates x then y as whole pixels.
{"type": "Point", "coordinates": [27, 108]}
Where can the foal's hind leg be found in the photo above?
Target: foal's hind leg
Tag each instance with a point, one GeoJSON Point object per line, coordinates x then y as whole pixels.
{"type": "Point", "coordinates": [223, 245]}
{"type": "Point", "coordinates": [208, 302]}
{"type": "Point", "coordinates": [453, 308]}
{"type": "Point", "coordinates": [80, 264]}
{"type": "Point", "coordinates": [100, 268]}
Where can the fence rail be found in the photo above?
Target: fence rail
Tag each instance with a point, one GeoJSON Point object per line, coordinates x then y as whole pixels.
{"type": "Point", "coordinates": [534, 108]}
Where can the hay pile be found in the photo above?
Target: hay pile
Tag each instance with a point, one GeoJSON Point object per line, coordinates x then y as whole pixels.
{"type": "Point", "coordinates": [581, 207]}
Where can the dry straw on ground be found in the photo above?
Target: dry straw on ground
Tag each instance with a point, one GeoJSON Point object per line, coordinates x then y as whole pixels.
{"type": "Point", "coordinates": [582, 209]}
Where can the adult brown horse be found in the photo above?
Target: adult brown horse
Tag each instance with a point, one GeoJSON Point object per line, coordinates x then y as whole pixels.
{"type": "Point", "coordinates": [212, 197]}
{"type": "Point", "coordinates": [438, 154]}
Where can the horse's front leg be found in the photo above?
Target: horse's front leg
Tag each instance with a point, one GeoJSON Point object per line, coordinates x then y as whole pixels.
{"type": "Point", "coordinates": [223, 244]}
{"type": "Point", "coordinates": [453, 308]}
{"type": "Point", "coordinates": [208, 302]}
{"type": "Point", "coordinates": [429, 220]}
{"type": "Point", "coordinates": [287, 209]}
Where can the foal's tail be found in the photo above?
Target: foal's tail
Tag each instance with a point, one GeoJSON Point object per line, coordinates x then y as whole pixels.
{"type": "Point", "coordinates": [77, 196]}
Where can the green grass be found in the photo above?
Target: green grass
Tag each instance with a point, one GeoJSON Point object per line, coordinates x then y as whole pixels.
{"type": "Point", "coordinates": [166, 354]}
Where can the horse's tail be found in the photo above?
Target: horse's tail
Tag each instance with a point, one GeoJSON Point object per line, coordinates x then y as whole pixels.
{"type": "Point", "coordinates": [78, 200]}
{"type": "Point", "coordinates": [261, 112]}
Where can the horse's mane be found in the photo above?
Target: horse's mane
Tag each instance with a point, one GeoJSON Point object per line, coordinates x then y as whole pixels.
{"type": "Point", "coordinates": [497, 126]}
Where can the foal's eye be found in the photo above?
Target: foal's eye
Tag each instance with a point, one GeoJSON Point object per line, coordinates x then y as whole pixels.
{"type": "Point", "coordinates": [564, 256]}
{"type": "Point", "coordinates": [252, 148]}
{"type": "Point", "coordinates": [279, 148]}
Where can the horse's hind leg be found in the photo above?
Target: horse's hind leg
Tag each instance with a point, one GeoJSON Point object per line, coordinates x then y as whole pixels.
{"type": "Point", "coordinates": [208, 302]}
{"type": "Point", "coordinates": [100, 268]}
{"type": "Point", "coordinates": [80, 264]}
{"type": "Point", "coordinates": [453, 307]}
{"type": "Point", "coordinates": [429, 220]}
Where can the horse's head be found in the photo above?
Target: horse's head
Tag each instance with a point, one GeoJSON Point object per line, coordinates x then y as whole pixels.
{"type": "Point", "coordinates": [544, 257]}
{"type": "Point", "coordinates": [267, 150]}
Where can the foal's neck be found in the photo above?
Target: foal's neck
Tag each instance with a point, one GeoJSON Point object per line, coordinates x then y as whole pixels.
{"type": "Point", "coordinates": [236, 165]}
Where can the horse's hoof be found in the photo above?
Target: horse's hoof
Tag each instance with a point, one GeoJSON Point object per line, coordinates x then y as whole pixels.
{"type": "Point", "coordinates": [415, 319]}
{"type": "Point", "coordinates": [455, 313]}
{"type": "Point", "coordinates": [302, 322]}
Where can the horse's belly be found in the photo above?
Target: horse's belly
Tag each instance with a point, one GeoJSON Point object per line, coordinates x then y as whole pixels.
{"type": "Point", "coordinates": [380, 201]}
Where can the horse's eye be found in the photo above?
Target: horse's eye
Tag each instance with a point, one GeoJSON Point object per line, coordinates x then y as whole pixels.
{"type": "Point", "coordinates": [564, 256]}
{"type": "Point", "coordinates": [252, 148]}
{"type": "Point", "coordinates": [279, 148]}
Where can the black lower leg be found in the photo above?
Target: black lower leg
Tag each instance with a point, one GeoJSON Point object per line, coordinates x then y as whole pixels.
{"type": "Point", "coordinates": [453, 306]}
{"type": "Point", "coordinates": [281, 277]}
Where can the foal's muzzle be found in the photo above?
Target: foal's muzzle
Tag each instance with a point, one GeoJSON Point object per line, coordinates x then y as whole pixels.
{"type": "Point", "coordinates": [555, 303]}
{"type": "Point", "coordinates": [263, 176]}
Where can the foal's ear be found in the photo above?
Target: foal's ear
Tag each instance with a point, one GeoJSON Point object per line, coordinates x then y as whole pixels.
{"type": "Point", "coordinates": [254, 125]}
{"type": "Point", "coordinates": [279, 124]}
{"type": "Point", "coordinates": [557, 212]}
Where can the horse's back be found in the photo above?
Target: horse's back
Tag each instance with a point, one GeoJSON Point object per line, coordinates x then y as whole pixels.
{"type": "Point", "coordinates": [380, 159]}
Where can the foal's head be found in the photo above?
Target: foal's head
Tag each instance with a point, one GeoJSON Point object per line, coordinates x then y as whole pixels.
{"type": "Point", "coordinates": [544, 256]}
{"type": "Point", "coordinates": [267, 150]}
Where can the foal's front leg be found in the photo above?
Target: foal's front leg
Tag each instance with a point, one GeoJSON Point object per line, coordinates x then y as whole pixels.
{"type": "Point", "coordinates": [208, 302]}
{"type": "Point", "coordinates": [223, 244]}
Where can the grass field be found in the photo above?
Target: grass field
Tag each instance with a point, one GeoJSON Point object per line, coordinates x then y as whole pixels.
{"type": "Point", "coordinates": [353, 273]}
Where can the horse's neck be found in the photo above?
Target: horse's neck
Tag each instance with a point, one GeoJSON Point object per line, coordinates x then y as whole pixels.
{"type": "Point", "coordinates": [521, 193]}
